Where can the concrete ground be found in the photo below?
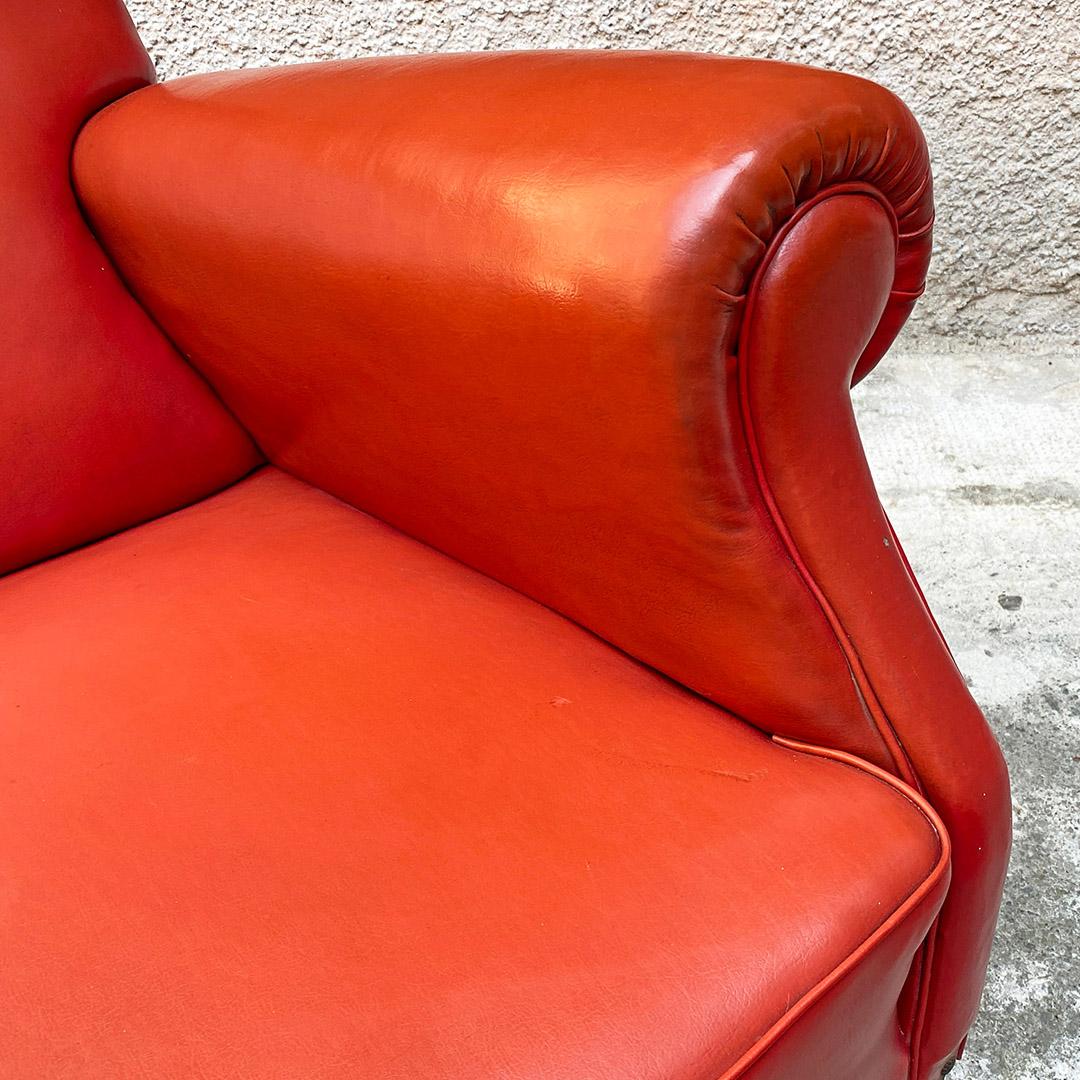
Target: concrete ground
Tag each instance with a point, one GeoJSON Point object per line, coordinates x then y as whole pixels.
{"type": "Point", "coordinates": [977, 458]}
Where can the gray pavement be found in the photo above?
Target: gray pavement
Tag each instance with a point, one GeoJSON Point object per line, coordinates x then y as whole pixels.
{"type": "Point", "coordinates": [977, 458]}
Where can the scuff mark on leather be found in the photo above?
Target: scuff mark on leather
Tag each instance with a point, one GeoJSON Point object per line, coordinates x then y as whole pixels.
{"type": "Point", "coordinates": [727, 774]}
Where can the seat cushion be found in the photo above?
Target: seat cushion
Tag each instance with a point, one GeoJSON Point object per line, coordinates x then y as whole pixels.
{"type": "Point", "coordinates": [288, 794]}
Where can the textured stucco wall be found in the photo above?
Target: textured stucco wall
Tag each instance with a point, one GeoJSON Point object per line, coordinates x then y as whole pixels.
{"type": "Point", "coordinates": [995, 84]}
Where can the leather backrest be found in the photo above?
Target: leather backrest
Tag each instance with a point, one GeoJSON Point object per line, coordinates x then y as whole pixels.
{"type": "Point", "coordinates": [102, 423]}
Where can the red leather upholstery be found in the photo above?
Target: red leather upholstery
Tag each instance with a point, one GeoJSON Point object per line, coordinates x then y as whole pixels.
{"type": "Point", "coordinates": [511, 331]}
{"type": "Point", "coordinates": [799, 333]}
{"type": "Point", "coordinates": [288, 794]}
{"type": "Point", "coordinates": [101, 423]}
{"type": "Point", "coordinates": [595, 339]}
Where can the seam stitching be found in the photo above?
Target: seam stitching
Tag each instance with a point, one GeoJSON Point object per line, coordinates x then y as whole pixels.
{"type": "Point", "coordinates": [877, 715]}
{"type": "Point", "coordinates": [899, 915]}
{"type": "Point", "coordinates": [922, 1001]}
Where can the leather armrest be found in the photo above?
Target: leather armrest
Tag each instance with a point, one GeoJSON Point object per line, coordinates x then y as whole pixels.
{"type": "Point", "coordinates": [588, 322]}
{"type": "Point", "coordinates": [497, 301]}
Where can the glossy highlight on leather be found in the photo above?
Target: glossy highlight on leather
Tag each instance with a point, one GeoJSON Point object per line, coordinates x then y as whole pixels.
{"type": "Point", "coordinates": [586, 325]}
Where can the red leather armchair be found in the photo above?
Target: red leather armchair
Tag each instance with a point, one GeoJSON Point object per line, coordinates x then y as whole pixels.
{"type": "Point", "coordinates": [479, 650]}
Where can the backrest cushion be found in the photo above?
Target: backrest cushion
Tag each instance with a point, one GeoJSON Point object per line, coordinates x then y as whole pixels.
{"type": "Point", "coordinates": [102, 422]}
